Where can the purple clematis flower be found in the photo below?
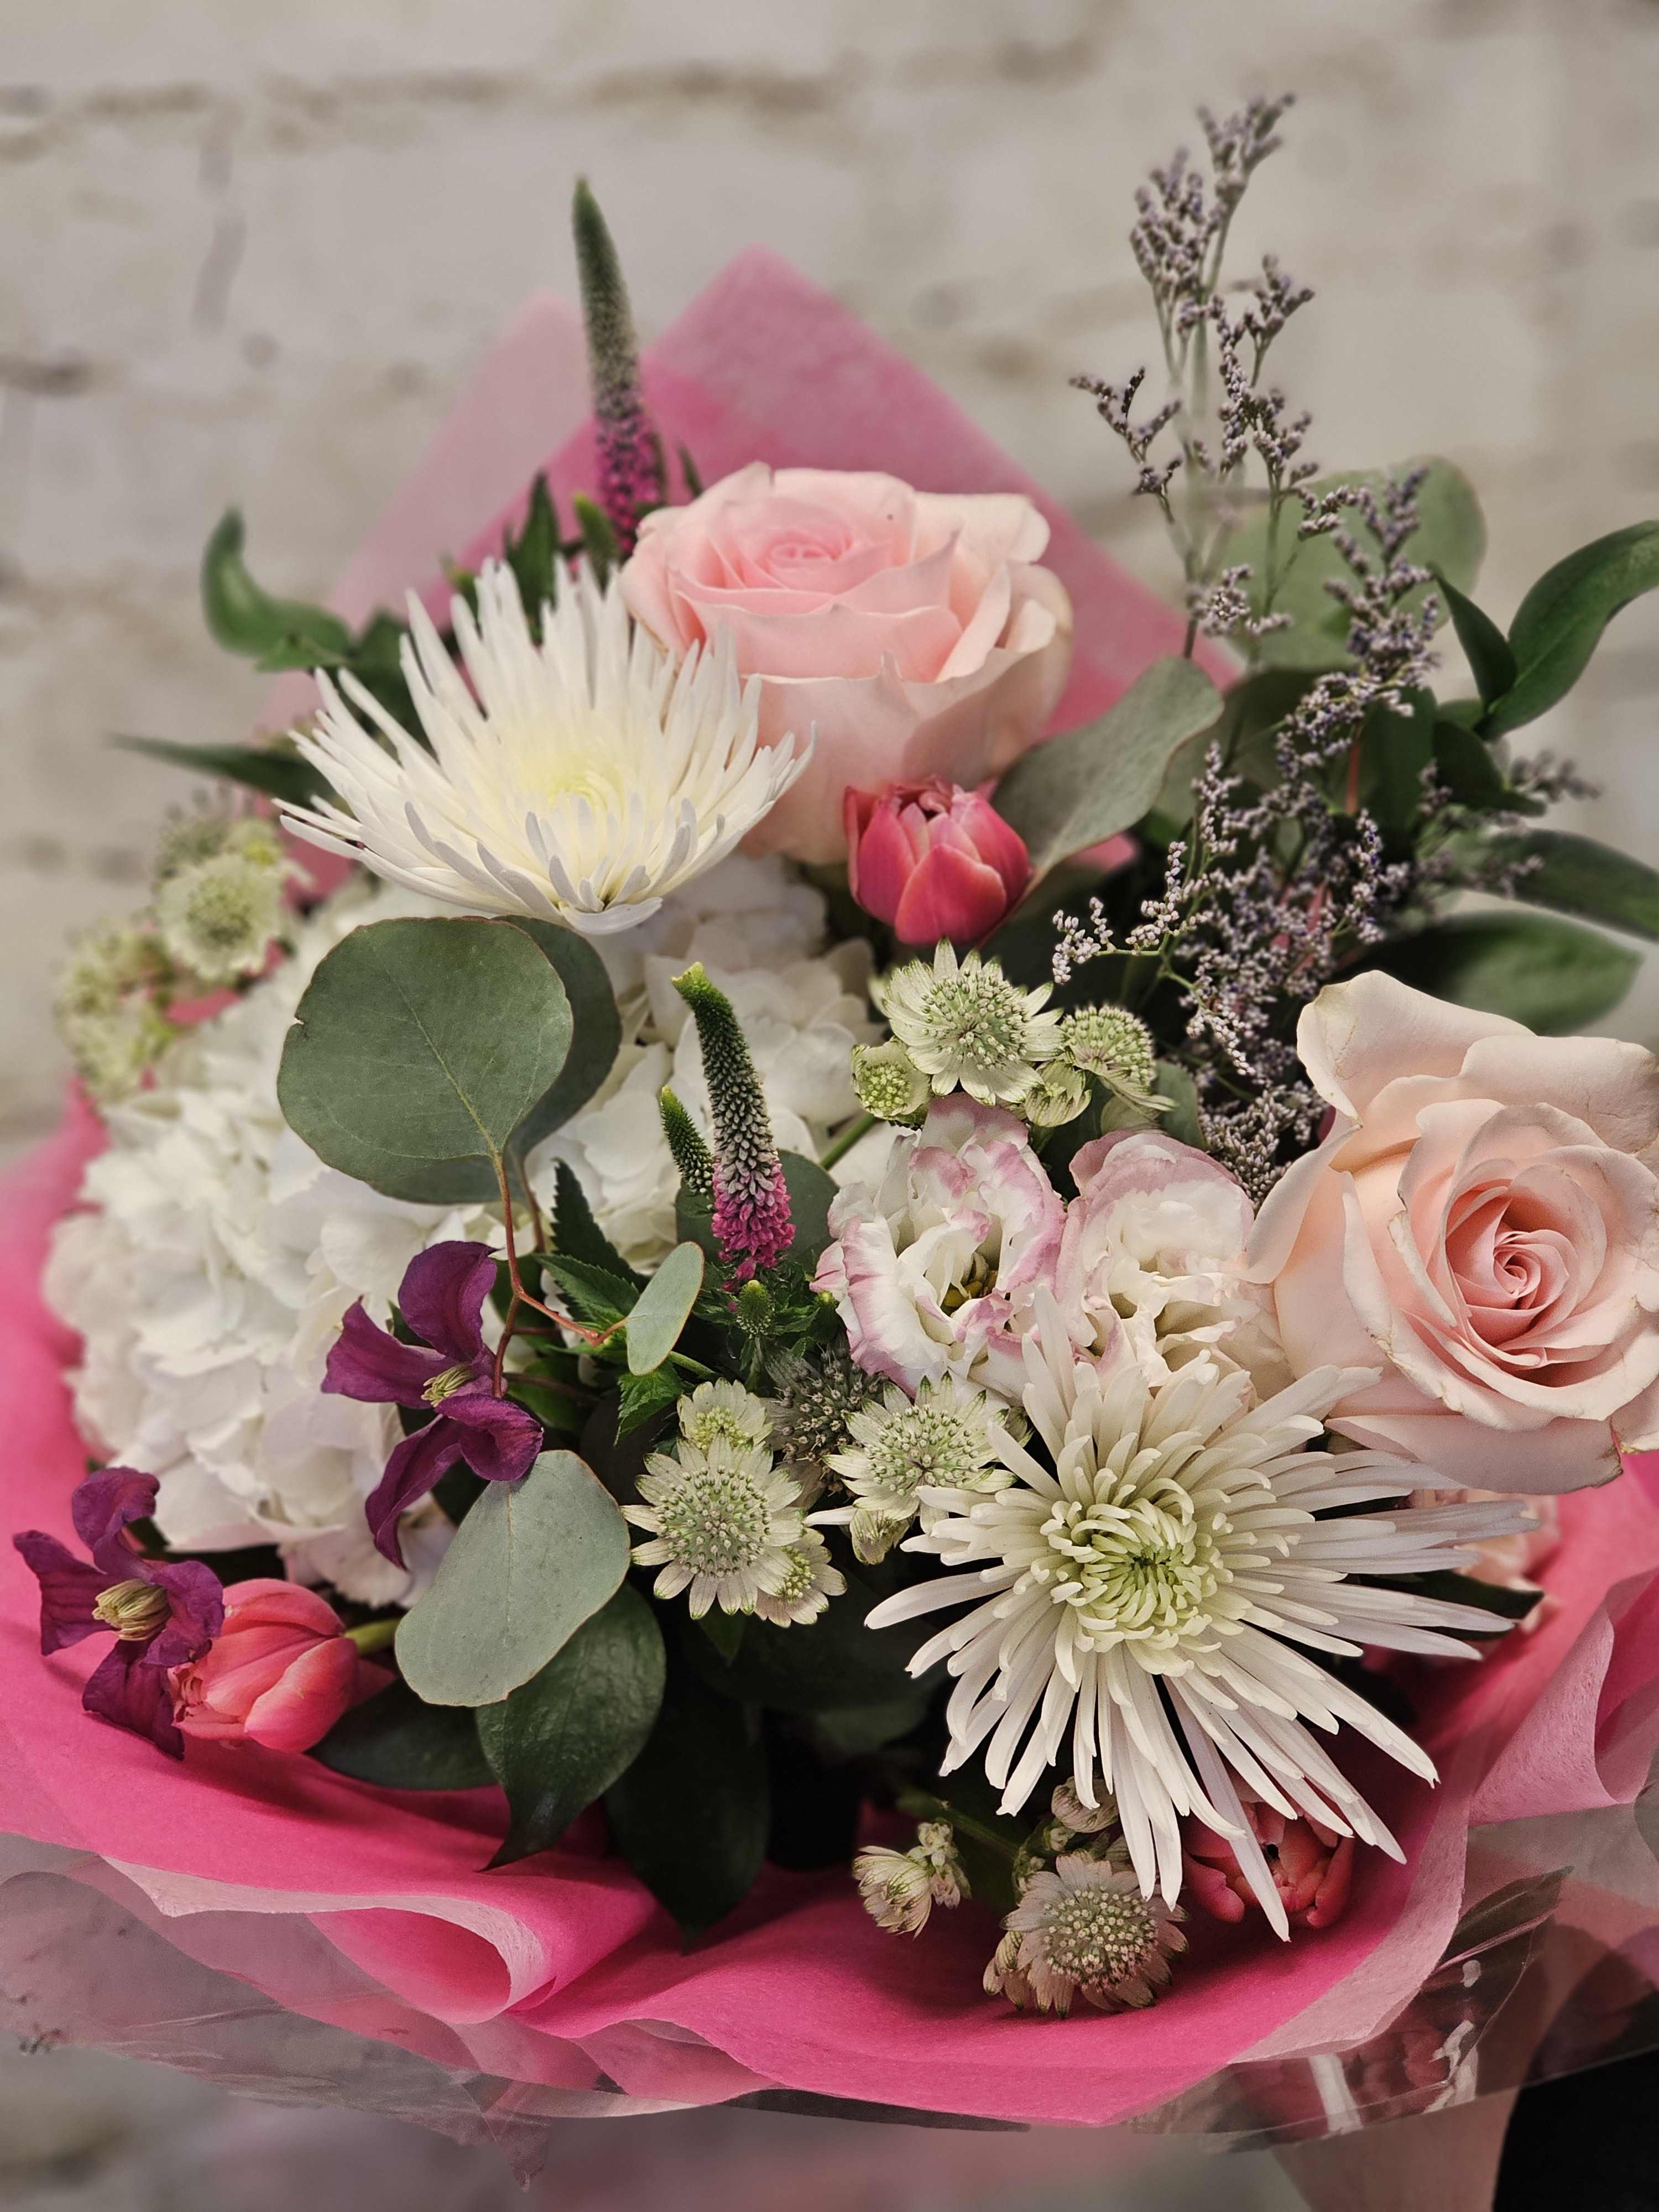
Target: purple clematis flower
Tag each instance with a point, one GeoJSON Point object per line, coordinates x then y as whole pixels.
{"type": "Point", "coordinates": [442, 1297]}
{"type": "Point", "coordinates": [164, 1613]}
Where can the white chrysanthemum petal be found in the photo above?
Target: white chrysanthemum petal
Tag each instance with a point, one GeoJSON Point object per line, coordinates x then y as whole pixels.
{"type": "Point", "coordinates": [580, 778]}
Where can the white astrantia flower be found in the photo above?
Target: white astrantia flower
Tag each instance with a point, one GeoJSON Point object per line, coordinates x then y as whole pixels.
{"type": "Point", "coordinates": [1136, 1601]}
{"type": "Point", "coordinates": [967, 1026]}
{"type": "Point", "coordinates": [577, 779]}
{"type": "Point", "coordinates": [724, 1409]}
{"type": "Point", "coordinates": [947, 1437]}
{"type": "Point", "coordinates": [723, 1523]}
{"type": "Point", "coordinates": [1086, 1930]}
{"type": "Point", "coordinates": [899, 1889]}
{"type": "Point", "coordinates": [809, 1583]}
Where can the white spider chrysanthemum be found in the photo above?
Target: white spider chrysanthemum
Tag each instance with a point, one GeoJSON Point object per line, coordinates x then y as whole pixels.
{"type": "Point", "coordinates": [723, 1523]}
{"type": "Point", "coordinates": [966, 1025]}
{"type": "Point", "coordinates": [1146, 1594]}
{"type": "Point", "coordinates": [576, 780]}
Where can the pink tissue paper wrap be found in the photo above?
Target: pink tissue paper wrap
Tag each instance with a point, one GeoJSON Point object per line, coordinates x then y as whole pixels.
{"type": "Point", "coordinates": [367, 1910]}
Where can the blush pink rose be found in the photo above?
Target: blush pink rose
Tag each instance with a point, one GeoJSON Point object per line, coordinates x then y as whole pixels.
{"type": "Point", "coordinates": [280, 1673]}
{"type": "Point", "coordinates": [912, 631]}
{"type": "Point", "coordinates": [936, 1271]}
{"type": "Point", "coordinates": [1481, 1222]}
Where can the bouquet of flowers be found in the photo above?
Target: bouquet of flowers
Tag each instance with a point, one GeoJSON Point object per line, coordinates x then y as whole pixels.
{"type": "Point", "coordinates": [826, 1283]}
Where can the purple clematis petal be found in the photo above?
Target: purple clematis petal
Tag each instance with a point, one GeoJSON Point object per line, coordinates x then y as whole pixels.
{"type": "Point", "coordinates": [502, 1440]}
{"type": "Point", "coordinates": [196, 1600]}
{"type": "Point", "coordinates": [418, 1461]}
{"type": "Point", "coordinates": [69, 1589]}
{"type": "Point", "coordinates": [103, 1507]}
{"type": "Point", "coordinates": [442, 1297]}
{"type": "Point", "coordinates": [130, 1694]}
{"type": "Point", "coordinates": [366, 1361]}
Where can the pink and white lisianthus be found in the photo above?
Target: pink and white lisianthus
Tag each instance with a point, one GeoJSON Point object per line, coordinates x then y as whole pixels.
{"type": "Point", "coordinates": [934, 1271]}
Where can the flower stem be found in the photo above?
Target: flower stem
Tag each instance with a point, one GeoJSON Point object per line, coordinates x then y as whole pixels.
{"type": "Point", "coordinates": [373, 1635]}
{"type": "Point", "coordinates": [521, 1296]}
{"type": "Point", "coordinates": [925, 1807]}
{"type": "Point", "coordinates": [839, 1146]}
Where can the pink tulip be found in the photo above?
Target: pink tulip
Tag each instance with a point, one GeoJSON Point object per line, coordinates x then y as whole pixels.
{"type": "Point", "coordinates": [280, 1673]}
{"type": "Point", "coordinates": [933, 861]}
{"type": "Point", "coordinates": [1312, 1867]}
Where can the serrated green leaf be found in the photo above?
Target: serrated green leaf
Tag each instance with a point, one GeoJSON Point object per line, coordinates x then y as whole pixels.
{"type": "Point", "coordinates": [418, 1049]}
{"type": "Point", "coordinates": [577, 1235]}
{"type": "Point", "coordinates": [531, 1561]}
{"type": "Point", "coordinates": [1552, 975]}
{"type": "Point", "coordinates": [642, 1399]}
{"type": "Point", "coordinates": [394, 1740]}
{"type": "Point", "coordinates": [690, 1815]}
{"type": "Point", "coordinates": [1451, 539]}
{"type": "Point", "coordinates": [282, 776]}
{"type": "Point", "coordinates": [1074, 790]}
{"type": "Point", "coordinates": [1558, 625]}
{"type": "Point", "coordinates": [245, 619]}
{"type": "Point", "coordinates": [1577, 875]}
{"type": "Point", "coordinates": [567, 1734]}
{"type": "Point", "coordinates": [1492, 662]}
{"type": "Point", "coordinates": [663, 1309]}
{"type": "Point", "coordinates": [598, 1296]}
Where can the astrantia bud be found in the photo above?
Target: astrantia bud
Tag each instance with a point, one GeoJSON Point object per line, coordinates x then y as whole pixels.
{"type": "Point", "coordinates": [107, 1011]}
{"type": "Point", "coordinates": [933, 861]}
{"type": "Point", "coordinates": [900, 1888]}
{"type": "Point", "coordinates": [1058, 1094]}
{"type": "Point", "coordinates": [1116, 1048]}
{"type": "Point", "coordinates": [888, 1083]}
{"type": "Point", "coordinates": [216, 919]}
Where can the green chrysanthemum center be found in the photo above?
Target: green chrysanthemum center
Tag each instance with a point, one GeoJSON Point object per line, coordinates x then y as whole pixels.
{"type": "Point", "coordinates": [715, 1521]}
{"type": "Point", "coordinates": [1098, 1936]}
{"type": "Point", "coordinates": [1145, 1566]}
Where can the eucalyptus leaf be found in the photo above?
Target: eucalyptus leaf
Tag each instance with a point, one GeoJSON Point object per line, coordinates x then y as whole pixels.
{"type": "Point", "coordinates": [395, 1740]}
{"type": "Point", "coordinates": [417, 1050]}
{"type": "Point", "coordinates": [1251, 711]}
{"type": "Point", "coordinates": [1551, 974]}
{"type": "Point", "coordinates": [278, 774]}
{"type": "Point", "coordinates": [595, 1028]}
{"type": "Point", "coordinates": [1172, 1081]}
{"type": "Point", "coordinates": [1577, 875]}
{"type": "Point", "coordinates": [663, 1309]}
{"type": "Point", "coordinates": [1075, 790]}
{"type": "Point", "coordinates": [690, 1815]}
{"type": "Point", "coordinates": [1451, 539]}
{"type": "Point", "coordinates": [564, 1736]}
{"type": "Point", "coordinates": [531, 1561]}
{"type": "Point", "coordinates": [1558, 625]}
{"type": "Point", "coordinates": [245, 619]}
{"type": "Point", "coordinates": [1491, 661]}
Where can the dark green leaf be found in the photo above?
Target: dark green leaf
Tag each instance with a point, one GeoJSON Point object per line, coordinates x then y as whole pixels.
{"type": "Point", "coordinates": [565, 1736]}
{"type": "Point", "coordinates": [1576, 875]}
{"type": "Point", "coordinates": [595, 1028]}
{"type": "Point", "coordinates": [531, 552]}
{"type": "Point", "coordinates": [599, 537]}
{"type": "Point", "coordinates": [690, 1815]}
{"type": "Point", "coordinates": [279, 774]}
{"type": "Point", "coordinates": [724, 1631]}
{"type": "Point", "coordinates": [1558, 625]}
{"type": "Point", "coordinates": [1550, 974]}
{"type": "Point", "coordinates": [598, 1296]}
{"type": "Point", "coordinates": [854, 1731]}
{"type": "Point", "coordinates": [394, 1739]}
{"type": "Point", "coordinates": [1394, 750]}
{"type": "Point", "coordinates": [820, 1666]}
{"type": "Point", "coordinates": [1075, 790]}
{"type": "Point", "coordinates": [1486, 648]}
{"type": "Point", "coordinates": [577, 1235]}
{"type": "Point", "coordinates": [643, 1399]}
{"type": "Point", "coordinates": [1453, 1589]}
{"type": "Point", "coordinates": [663, 1307]}
{"type": "Point", "coordinates": [1470, 770]}
{"type": "Point", "coordinates": [417, 1050]}
{"type": "Point", "coordinates": [531, 1561]}
{"type": "Point", "coordinates": [245, 619]}
{"type": "Point", "coordinates": [688, 471]}
{"type": "Point", "coordinates": [812, 1194]}
{"type": "Point", "coordinates": [1451, 539]}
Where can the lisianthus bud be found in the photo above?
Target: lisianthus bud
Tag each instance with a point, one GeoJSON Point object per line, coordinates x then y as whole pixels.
{"type": "Point", "coordinates": [933, 861]}
{"type": "Point", "coordinates": [1311, 1866]}
{"type": "Point", "coordinates": [280, 1673]}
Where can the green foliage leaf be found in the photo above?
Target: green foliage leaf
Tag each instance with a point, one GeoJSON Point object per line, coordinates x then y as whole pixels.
{"type": "Point", "coordinates": [599, 1298]}
{"type": "Point", "coordinates": [595, 1028]}
{"type": "Point", "coordinates": [1558, 625]}
{"type": "Point", "coordinates": [690, 1815]}
{"type": "Point", "coordinates": [1550, 974]}
{"type": "Point", "coordinates": [418, 1049]}
{"type": "Point", "coordinates": [531, 1561]}
{"type": "Point", "coordinates": [812, 1194]}
{"type": "Point", "coordinates": [1472, 771]}
{"type": "Point", "coordinates": [1451, 539]}
{"type": "Point", "coordinates": [663, 1309]}
{"type": "Point", "coordinates": [821, 1666]}
{"type": "Point", "coordinates": [1453, 1589]}
{"type": "Point", "coordinates": [1486, 648]}
{"type": "Point", "coordinates": [564, 1736]}
{"type": "Point", "coordinates": [245, 619]}
{"type": "Point", "coordinates": [1251, 710]}
{"type": "Point", "coordinates": [1181, 1122]}
{"type": "Point", "coordinates": [599, 537]}
{"type": "Point", "coordinates": [577, 1235]}
{"type": "Point", "coordinates": [532, 551]}
{"type": "Point", "coordinates": [394, 1740]}
{"type": "Point", "coordinates": [1075, 790]}
{"type": "Point", "coordinates": [279, 774]}
{"type": "Point", "coordinates": [1577, 875]}
{"type": "Point", "coordinates": [642, 1399]}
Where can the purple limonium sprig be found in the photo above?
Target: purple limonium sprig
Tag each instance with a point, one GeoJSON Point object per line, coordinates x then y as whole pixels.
{"type": "Point", "coordinates": [753, 1226]}
{"type": "Point", "coordinates": [630, 453]}
{"type": "Point", "coordinates": [441, 1299]}
{"type": "Point", "coordinates": [163, 1613]}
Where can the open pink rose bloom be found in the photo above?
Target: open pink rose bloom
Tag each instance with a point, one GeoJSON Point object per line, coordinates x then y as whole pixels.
{"type": "Point", "coordinates": [1452, 1229]}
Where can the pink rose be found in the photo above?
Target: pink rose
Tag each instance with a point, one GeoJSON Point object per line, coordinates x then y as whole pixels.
{"type": "Point", "coordinates": [1481, 1222]}
{"type": "Point", "coordinates": [936, 1271]}
{"type": "Point", "coordinates": [911, 630]}
{"type": "Point", "coordinates": [280, 1673]}
{"type": "Point", "coordinates": [933, 861]}
{"type": "Point", "coordinates": [1312, 1867]}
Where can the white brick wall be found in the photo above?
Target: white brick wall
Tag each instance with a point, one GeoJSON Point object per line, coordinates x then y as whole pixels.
{"type": "Point", "coordinates": [249, 253]}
